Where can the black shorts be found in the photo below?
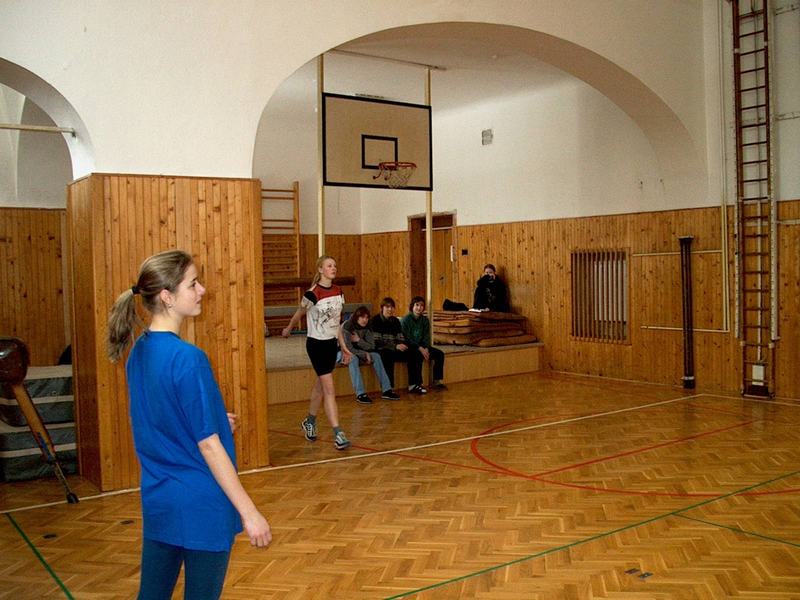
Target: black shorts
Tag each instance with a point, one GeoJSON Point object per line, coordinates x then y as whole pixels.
{"type": "Point", "coordinates": [322, 354]}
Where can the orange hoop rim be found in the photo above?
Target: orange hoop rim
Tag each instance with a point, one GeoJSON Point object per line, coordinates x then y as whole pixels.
{"type": "Point", "coordinates": [394, 165]}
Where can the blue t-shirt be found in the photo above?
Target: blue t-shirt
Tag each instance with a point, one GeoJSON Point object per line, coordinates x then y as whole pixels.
{"type": "Point", "coordinates": [174, 404]}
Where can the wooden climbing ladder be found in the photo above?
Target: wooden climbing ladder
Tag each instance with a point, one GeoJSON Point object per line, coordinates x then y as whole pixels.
{"type": "Point", "coordinates": [280, 239]}
{"type": "Point", "coordinates": [756, 224]}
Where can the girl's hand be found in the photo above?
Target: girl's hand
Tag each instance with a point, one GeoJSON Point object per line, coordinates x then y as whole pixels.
{"type": "Point", "coordinates": [286, 332]}
{"type": "Point", "coordinates": [347, 356]}
{"type": "Point", "coordinates": [233, 420]}
{"type": "Point", "coordinates": [257, 530]}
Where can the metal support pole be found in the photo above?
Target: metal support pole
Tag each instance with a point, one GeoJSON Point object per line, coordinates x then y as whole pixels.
{"type": "Point", "coordinates": [429, 228]}
{"type": "Point", "coordinates": [688, 324]}
{"type": "Point", "coordinates": [38, 128]}
{"type": "Point", "coordinates": [320, 158]}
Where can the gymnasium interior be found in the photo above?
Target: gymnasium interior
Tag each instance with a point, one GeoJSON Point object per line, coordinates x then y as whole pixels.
{"type": "Point", "coordinates": [627, 429]}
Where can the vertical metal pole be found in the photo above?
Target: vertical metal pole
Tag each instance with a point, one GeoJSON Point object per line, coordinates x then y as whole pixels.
{"type": "Point", "coordinates": [320, 158]}
{"type": "Point", "coordinates": [688, 319]}
{"type": "Point", "coordinates": [740, 206]}
{"type": "Point", "coordinates": [429, 227]}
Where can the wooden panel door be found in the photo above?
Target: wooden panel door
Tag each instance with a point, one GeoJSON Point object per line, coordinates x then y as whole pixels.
{"type": "Point", "coordinates": [443, 276]}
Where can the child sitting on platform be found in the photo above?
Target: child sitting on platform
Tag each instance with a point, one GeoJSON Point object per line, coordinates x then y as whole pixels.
{"type": "Point", "coordinates": [417, 331]}
{"type": "Point", "coordinates": [392, 346]}
{"type": "Point", "coordinates": [360, 341]}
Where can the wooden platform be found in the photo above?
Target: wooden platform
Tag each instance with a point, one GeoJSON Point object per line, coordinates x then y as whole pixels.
{"type": "Point", "coordinates": [290, 376]}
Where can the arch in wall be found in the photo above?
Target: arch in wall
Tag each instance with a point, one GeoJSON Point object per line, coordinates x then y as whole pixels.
{"type": "Point", "coordinates": [683, 169]}
{"type": "Point", "coordinates": [57, 107]}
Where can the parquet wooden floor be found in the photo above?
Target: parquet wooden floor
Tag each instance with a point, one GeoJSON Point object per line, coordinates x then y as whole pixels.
{"type": "Point", "coordinates": [543, 486]}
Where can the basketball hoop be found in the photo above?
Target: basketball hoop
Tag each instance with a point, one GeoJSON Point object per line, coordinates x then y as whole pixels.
{"type": "Point", "coordinates": [395, 173]}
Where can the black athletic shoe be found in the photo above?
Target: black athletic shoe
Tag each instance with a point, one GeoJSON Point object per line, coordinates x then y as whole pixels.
{"type": "Point", "coordinates": [363, 399]}
{"type": "Point", "coordinates": [418, 389]}
{"type": "Point", "coordinates": [390, 395]}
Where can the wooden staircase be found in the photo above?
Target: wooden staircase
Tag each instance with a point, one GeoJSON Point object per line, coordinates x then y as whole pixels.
{"type": "Point", "coordinates": [756, 222]}
{"type": "Point", "coordinates": [280, 240]}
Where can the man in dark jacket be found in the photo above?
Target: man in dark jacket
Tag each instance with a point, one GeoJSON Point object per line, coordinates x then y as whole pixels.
{"type": "Point", "coordinates": [491, 292]}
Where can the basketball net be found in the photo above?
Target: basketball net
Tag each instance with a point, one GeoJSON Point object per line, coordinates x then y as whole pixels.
{"type": "Point", "coordinates": [395, 173]}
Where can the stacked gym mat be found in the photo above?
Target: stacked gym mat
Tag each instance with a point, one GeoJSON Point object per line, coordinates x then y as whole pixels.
{"type": "Point", "coordinates": [50, 388]}
{"type": "Point", "coordinates": [484, 329]}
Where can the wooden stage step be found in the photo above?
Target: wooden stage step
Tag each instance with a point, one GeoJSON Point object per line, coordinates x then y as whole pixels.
{"type": "Point", "coordinates": [292, 382]}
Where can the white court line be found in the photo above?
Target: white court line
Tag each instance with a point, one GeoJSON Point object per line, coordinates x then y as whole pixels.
{"type": "Point", "coordinates": [747, 399]}
{"type": "Point", "coordinates": [59, 502]}
{"type": "Point", "coordinates": [395, 451]}
{"type": "Point", "coordinates": [469, 438]}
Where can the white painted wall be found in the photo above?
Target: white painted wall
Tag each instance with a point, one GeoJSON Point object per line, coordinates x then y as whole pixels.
{"type": "Point", "coordinates": [563, 150]}
{"type": "Point", "coordinates": [163, 89]}
{"type": "Point", "coordinates": [11, 104]}
{"type": "Point", "coordinates": [34, 167]}
{"type": "Point", "coordinates": [560, 147]}
{"type": "Point", "coordinates": [286, 144]}
{"type": "Point", "coordinates": [43, 169]}
{"type": "Point", "coordinates": [786, 81]}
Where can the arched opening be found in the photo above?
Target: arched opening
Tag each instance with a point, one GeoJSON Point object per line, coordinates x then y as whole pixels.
{"type": "Point", "coordinates": [38, 164]}
{"type": "Point", "coordinates": [573, 130]}
{"type": "Point", "coordinates": [526, 126]}
{"type": "Point", "coordinates": [58, 110]}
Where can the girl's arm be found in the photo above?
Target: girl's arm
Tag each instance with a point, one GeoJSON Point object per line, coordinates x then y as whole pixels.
{"type": "Point", "coordinates": [224, 473]}
{"type": "Point", "coordinates": [347, 356]}
{"type": "Point", "coordinates": [298, 314]}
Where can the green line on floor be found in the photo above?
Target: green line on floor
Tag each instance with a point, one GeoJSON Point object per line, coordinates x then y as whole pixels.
{"type": "Point", "coordinates": [590, 538]}
{"type": "Point", "coordinates": [742, 531]}
{"type": "Point", "coordinates": [40, 557]}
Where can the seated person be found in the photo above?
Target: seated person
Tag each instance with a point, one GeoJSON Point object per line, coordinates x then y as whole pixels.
{"type": "Point", "coordinates": [360, 340]}
{"type": "Point", "coordinates": [392, 346]}
{"type": "Point", "coordinates": [417, 330]}
{"type": "Point", "coordinates": [490, 294]}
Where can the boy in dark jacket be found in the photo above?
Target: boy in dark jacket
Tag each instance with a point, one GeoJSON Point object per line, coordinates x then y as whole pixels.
{"type": "Point", "coordinates": [392, 346]}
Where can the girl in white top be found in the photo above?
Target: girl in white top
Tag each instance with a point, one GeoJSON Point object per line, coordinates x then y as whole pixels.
{"type": "Point", "coordinates": [323, 304]}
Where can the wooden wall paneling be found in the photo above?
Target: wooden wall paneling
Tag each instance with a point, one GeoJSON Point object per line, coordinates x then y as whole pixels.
{"type": "Point", "coordinates": [346, 249]}
{"type": "Point", "coordinates": [787, 355]}
{"type": "Point", "coordinates": [80, 227]}
{"type": "Point", "coordinates": [385, 269]}
{"type": "Point", "coordinates": [535, 258]}
{"type": "Point", "coordinates": [115, 221]}
{"type": "Point", "coordinates": [32, 281]}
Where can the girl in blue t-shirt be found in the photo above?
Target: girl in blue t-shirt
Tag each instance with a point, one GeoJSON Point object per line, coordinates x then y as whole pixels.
{"type": "Point", "coordinates": [193, 503]}
{"type": "Point", "coordinates": [322, 305]}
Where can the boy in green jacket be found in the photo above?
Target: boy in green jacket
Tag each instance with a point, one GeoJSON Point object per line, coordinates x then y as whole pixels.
{"type": "Point", "coordinates": [417, 331]}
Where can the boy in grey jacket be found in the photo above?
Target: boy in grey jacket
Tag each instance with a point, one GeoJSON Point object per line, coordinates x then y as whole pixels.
{"type": "Point", "coordinates": [360, 340]}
